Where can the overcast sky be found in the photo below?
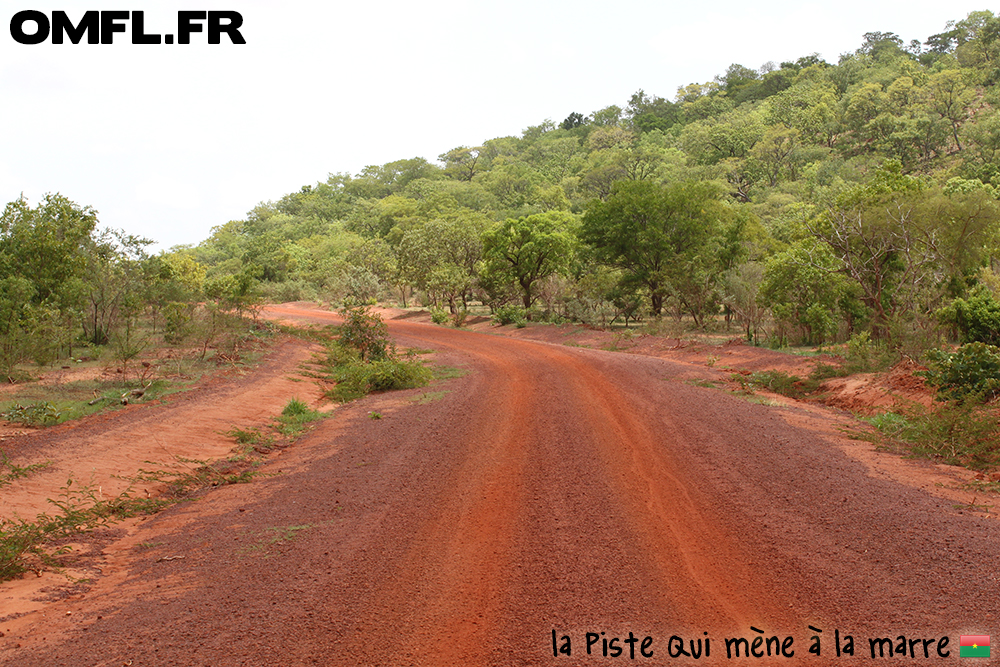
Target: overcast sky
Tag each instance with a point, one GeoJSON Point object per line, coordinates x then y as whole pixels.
{"type": "Point", "coordinates": [167, 141]}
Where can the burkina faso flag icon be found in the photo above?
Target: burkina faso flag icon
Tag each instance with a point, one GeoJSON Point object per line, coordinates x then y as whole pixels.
{"type": "Point", "coordinates": [974, 646]}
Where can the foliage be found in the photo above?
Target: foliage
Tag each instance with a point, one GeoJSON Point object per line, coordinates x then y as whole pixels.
{"type": "Point", "coordinates": [971, 372]}
{"type": "Point", "coordinates": [801, 287]}
{"type": "Point", "coordinates": [10, 471]}
{"type": "Point", "coordinates": [977, 317]}
{"type": "Point", "coordinates": [775, 381]}
{"type": "Point", "coordinates": [659, 236]}
{"type": "Point", "coordinates": [530, 249]}
{"type": "Point", "coordinates": [812, 201]}
{"type": "Point", "coordinates": [365, 332]}
{"type": "Point", "coordinates": [294, 416]}
{"type": "Point", "coordinates": [956, 433]}
{"type": "Point", "coordinates": [364, 360]}
{"type": "Point", "coordinates": [78, 509]}
{"type": "Point", "coordinates": [511, 314]}
{"type": "Point", "coordinates": [439, 316]}
{"type": "Point", "coordinates": [355, 379]}
{"type": "Point", "coordinates": [41, 413]}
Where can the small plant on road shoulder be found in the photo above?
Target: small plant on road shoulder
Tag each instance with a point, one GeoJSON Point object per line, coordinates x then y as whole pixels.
{"type": "Point", "coordinates": [251, 441]}
{"type": "Point", "coordinates": [439, 316]}
{"type": "Point", "coordinates": [956, 433]}
{"type": "Point", "coordinates": [777, 381]}
{"type": "Point", "coordinates": [79, 510]}
{"type": "Point", "coordinates": [364, 360]}
{"type": "Point", "coordinates": [37, 414]}
{"type": "Point", "coordinates": [10, 471]}
{"type": "Point", "coordinates": [295, 416]}
{"type": "Point", "coordinates": [187, 476]}
{"type": "Point", "coordinates": [365, 332]}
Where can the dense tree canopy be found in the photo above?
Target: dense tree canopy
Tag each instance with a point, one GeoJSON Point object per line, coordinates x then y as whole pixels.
{"type": "Point", "coordinates": [808, 200]}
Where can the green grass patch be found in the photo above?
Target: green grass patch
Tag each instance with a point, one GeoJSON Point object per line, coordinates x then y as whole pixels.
{"type": "Point", "coordinates": [294, 417]}
{"type": "Point", "coordinates": [708, 384]}
{"type": "Point", "coordinates": [46, 405]}
{"type": "Point", "coordinates": [439, 372]}
{"type": "Point", "coordinates": [429, 397]}
{"type": "Point", "coordinates": [956, 433]}
{"type": "Point", "coordinates": [274, 536]}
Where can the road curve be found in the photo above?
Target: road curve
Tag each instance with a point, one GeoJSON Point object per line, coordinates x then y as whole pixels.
{"type": "Point", "coordinates": [547, 490]}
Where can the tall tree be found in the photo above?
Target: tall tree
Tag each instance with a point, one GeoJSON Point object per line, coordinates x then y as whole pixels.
{"type": "Point", "coordinates": [649, 230]}
{"type": "Point", "coordinates": [529, 249]}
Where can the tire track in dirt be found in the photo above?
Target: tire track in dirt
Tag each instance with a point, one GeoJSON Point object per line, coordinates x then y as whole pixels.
{"type": "Point", "coordinates": [552, 489]}
{"type": "Point", "coordinates": [649, 531]}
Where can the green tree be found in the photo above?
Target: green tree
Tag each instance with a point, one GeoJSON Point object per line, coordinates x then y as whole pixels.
{"type": "Point", "coordinates": [649, 230]}
{"type": "Point", "coordinates": [801, 286]}
{"type": "Point", "coordinates": [46, 245]}
{"type": "Point", "coordinates": [529, 249]}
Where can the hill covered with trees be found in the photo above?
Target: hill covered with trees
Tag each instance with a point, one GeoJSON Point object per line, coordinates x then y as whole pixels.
{"type": "Point", "coordinates": [803, 202]}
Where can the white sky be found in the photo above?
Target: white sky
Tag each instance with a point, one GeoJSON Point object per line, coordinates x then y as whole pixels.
{"type": "Point", "coordinates": [168, 141]}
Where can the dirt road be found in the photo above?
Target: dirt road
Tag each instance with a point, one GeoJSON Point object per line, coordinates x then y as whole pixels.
{"type": "Point", "coordinates": [547, 493]}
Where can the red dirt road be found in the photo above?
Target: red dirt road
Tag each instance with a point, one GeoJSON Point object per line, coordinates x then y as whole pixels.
{"type": "Point", "coordinates": [548, 489]}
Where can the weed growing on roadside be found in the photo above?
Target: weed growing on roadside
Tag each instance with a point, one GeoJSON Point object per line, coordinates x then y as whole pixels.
{"type": "Point", "coordinates": [708, 384]}
{"type": "Point", "coordinates": [187, 476]}
{"type": "Point", "coordinates": [248, 436]}
{"type": "Point", "coordinates": [363, 360]}
{"type": "Point", "coordinates": [973, 506]}
{"type": "Point", "coordinates": [274, 536]}
{"type": "Point", "coordinates": [778, 382]}
{"type": "Point", "coordinates": [41, 413]}
{"type": "Point", "coordinates": [294, 417]}
{"type": "Point", "coordinates": [429, 397]}
{"type": "Point", "coordinates": [955, 433]}
{"type": "Point", "coordinates": [251, 441]}
{"type": "Point", "coordinates": [10, 471]}
{"type": "Point", "coordinates": [79, 509]}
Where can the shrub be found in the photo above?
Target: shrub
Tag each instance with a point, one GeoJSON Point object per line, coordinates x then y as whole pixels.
{"type": "Point", "coordinates": [367, 333]}
{"type": "Point", "coordinates": [178, 321]}
{"type": "Point", "coordinates": [956, 434]}
{"type": "Point", "coordinates": [976, 318]}
{"type": "Point", "coordinates": [36, 414]}
{"type": "Point", "coordinates": [439, 315]}
{"type": "Point", "coordinates": [511, 314]}
{"type": "Point", "coordinates": [972, 371]}
{"type": "Point", "coordinates": [354, 380]}
{"type": "Point", "coordinates": [777, 381]}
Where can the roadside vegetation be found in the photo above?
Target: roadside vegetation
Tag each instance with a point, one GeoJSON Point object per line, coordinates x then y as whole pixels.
{"type": "Point", "coordinates": [33, 545]}
{"type": "Point", "coordinates": [364, 360]}
{"type": "Point", "coordinates": [852, 206]}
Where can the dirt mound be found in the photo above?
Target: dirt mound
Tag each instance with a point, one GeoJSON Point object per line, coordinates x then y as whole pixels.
{"type": "Point", "coordinates": [873, 393]}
